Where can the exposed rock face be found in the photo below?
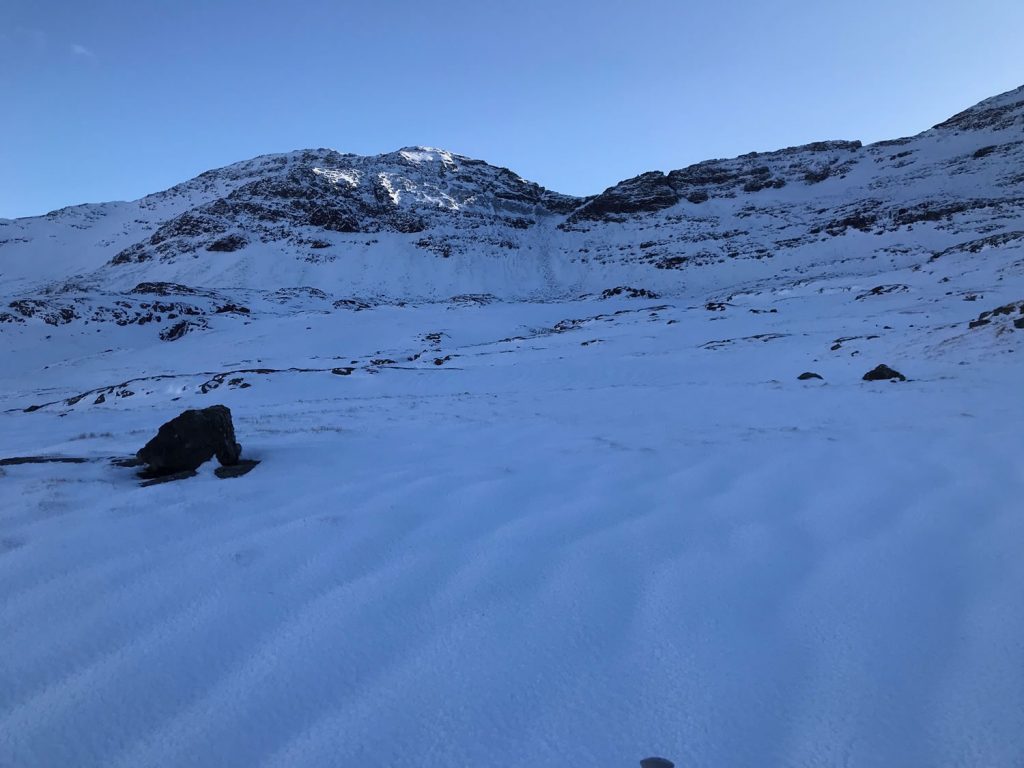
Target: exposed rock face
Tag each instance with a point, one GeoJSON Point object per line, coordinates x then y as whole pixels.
{"type": "Point", "coordinates": [180, 328]}
{"type": "Point", "coordinates": [883, 373]}
{"type": "Point", "coordinates": [228, 244]}
{"type": "Point", "coordinates": [1000, 112]}
{"type": "Point", "coordinates": [301, 196]}
{"type": "Point", "coordinates": [190, 439]}
{"type": "Point", "coordinates": [645, 193]}
{"type": "Point", "coordinates": [629, 292]}
{"type": "Point", "coordinates": [174, 332]}
{"type": "Point", "coordinates": [1006, 311]}
{"type": "Point", "coordinates": [808, 375]}
{"type": "Point", "coordinates": [756, 171]}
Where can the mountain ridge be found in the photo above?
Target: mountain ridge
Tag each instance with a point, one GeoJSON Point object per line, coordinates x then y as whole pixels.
{"type": "Point", "coordinates": [999, 101]}
{"type": "Point", "coordinates": [421, 223]}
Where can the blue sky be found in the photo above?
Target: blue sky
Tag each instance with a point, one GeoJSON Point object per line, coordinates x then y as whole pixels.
{"type": "Point", "coordinates": [106, 100]}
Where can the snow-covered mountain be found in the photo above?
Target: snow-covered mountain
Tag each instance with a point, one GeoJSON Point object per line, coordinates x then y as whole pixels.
{"type": "Point", "coordinates": [422, 224]}
{"type": "Point", "coordinates": [543, 479]}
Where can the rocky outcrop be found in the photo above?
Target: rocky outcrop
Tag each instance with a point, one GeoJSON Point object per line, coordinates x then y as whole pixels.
{"type": "Point", "coordinates": [1000, 113]}
{"type": "Point", "coordinates": [1013, 312]}
{"type": "Point", "coordinates": [304, 196]}
{"type": "Point", "coordinates": [654, 191]}
{"type": "Point", "coordinates": [190, 439]}
{"type": "Point", "coordinates": [883, 373]}
{"type": "Point", "coordinates": [646, 193]}
{"type": "Point", "coordinates": [629, 292]}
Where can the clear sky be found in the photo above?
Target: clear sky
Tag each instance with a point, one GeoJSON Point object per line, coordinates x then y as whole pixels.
{"type": "Point", "coordinates": [103, 100]}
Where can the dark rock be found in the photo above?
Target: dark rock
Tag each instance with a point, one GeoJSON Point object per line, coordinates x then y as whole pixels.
{"type": "Point", "coordinates": [128, 462]}
{"type": "Point", "coordinates": [656, 762]}
{"type": "Point", "coordinates": [353, 304]}
{"type": "Point", "coordinates": [175, 332]}
{"type": "Point", "coordinates": [757, 184]}
{"type": "Point", "coordinates": [15, 460]}
{"type": "Point", "coordinates": [334, 219]}
{"type": "Point", "coordinates": [212, 384]}
{"type": "Point", "coordinates": [474, 299]}
{"type": "Point", "coordinates": [228, 244]}
{"type": "Point", "coordinates": [437, 245]}
{"type": "Point", "coordinates": [185, 474]}
{"type": "Point", "coordinates": [882, 290]}
{"type": "Point", "coordinates": [817, 175]}
{"type": "Point", "coordinates": [628, 291]}
{"type": "Point", "coordinates": [979, 244]}
{"type": "Point", "coordinates": [100, 398]}
{"type": "Point", "coordinates": [132, 254]}
{"type": "Point", "coordinates": [188, 440]}
{"type": "Point", "coordinates": [645, 193]}
{"type": "Point", "coordinates": [987, 115]}
{"type": "Point", "coordinates": [342, 371]}
{"type": "Point", "coordinates": [1019, 323]}
{"type": "Point", "coordinates": [189, 224]}
{"type": "Point", "coordinates": [987, 316]}
{"type": "Point", "coordinates": [299, 293]}
{"type": "Point", "coordinates": [807, 375]}
{"type": "Point", "coordinates": [883, 373]}
{"type": "Point", "coordinates": [243, 467]}
{"type": "Point", "coordinates": [164, 289]}
{"type": "Point", "coordinates": [933, 211]}
{"type": "Point", "coordinates": [672, 262]}
{"type": "Point", "coordinates": [47, 311]}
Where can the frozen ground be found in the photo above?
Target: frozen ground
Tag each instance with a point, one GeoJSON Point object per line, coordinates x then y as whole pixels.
{"type": "Point", "coordinates": [573, 543]}
{"type": "Point", "coordinates": [499, 519]}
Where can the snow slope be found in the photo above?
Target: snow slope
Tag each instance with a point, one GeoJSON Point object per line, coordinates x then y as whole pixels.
{"type": "Point", "coordinates": [502, 518]}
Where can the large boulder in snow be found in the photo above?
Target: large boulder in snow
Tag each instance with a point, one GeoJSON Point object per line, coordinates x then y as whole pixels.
{"type": "Point", "coordinates": [883, 373]}
{"type": "Point", "coordinates": [188, 440]}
